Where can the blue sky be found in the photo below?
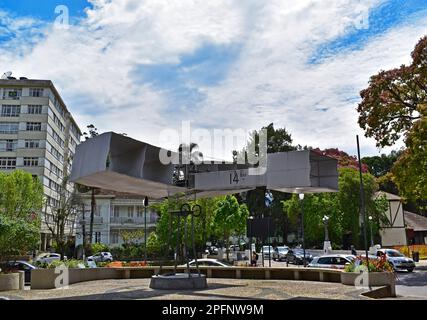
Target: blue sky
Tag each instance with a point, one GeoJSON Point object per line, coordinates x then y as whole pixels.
{"type": "Point", "coordinates": [44, 9]}
{"type": "Point", "coordinates": [143, 66]}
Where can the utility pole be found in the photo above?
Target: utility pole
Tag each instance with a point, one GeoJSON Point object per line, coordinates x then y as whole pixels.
{"type": "Point", "coordinates": [92, 213]}
{"type": "Point", "coordinates": [145, 228]}
{"type": "Point", "coordinates": [362, 203]}
{"type": "Point", "coordinates": [84, 230]}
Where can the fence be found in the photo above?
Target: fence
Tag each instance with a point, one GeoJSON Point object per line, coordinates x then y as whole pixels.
{"type": "Point", "coordinates": [407, 250]}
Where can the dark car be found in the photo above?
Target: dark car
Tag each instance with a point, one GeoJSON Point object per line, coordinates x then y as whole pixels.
{"type": "Point", "coordinates": [296, 256]}
{"type": "Point", "coordinates": [20, 266]}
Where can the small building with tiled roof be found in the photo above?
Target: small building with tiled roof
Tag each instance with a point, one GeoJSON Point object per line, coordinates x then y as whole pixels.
{"type": "Point", "coordinates": [418, 224]}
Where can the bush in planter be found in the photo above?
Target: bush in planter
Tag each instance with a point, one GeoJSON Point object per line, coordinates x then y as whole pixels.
{"type": "Point", "coordinates": [71, 264]}
{"type": "Point", "coordinates": [374, 265]}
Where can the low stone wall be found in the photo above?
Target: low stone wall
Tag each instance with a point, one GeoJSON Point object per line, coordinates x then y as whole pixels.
{"type": "Point", "coordinates": [371, 279]}
{"type": "Point", "coordinates": [9, 281]}
{"type": "Point", "coordinates": [45, 278]}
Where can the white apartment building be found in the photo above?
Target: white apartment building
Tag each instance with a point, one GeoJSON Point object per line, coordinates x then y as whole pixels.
{"type": "Point", "coordinates": [114, 212]}
{"type": "Point", "coordinates": [38, 135]}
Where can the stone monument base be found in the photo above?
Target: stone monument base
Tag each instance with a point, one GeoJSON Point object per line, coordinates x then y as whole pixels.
{"type": "Point", "coordinates": [178, 281]}
{"type": "Point", "coordinates": [327, 247]}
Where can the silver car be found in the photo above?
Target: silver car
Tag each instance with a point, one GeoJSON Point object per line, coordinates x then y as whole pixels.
{"type": "Point", "coordinates": [48, 258]}
{"type": "Point", "coordinates": [333, 261]}
{"type": "Point", "coordinates": [279, 253]}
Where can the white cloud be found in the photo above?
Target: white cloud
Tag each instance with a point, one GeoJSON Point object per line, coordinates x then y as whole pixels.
{"type": "Point", "coordinates": [94, 65]}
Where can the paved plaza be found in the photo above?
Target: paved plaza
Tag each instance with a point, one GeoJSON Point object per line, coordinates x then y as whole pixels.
{"type": "Point", "coordinates": [133, 289]}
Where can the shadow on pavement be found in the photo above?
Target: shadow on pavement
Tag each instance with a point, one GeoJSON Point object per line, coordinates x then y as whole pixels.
{"type": "Point", "coordinates": [146, 293]}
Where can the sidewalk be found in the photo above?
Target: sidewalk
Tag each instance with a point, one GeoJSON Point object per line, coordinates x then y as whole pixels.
{"type": "Point", "coordinates": [421, 265]}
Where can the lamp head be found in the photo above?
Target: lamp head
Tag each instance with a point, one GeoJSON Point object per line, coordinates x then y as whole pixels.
{"type": "Point", "coordinates": [301, 196]}
{"type": "Point", "coordinates": [370, 218]}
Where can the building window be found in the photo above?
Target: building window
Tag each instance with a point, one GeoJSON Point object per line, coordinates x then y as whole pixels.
{"type": "Point", "coordinates": [116, 212]}
{"type": "Point", "coordinates": [10, 111]}
{"type": "Point", "coordinates": [36, 92]}
{"type": "Point", "coordinates": [53, 151]}
{"type": "Point", "coordinates": [7, 163]}
{"type": "Point", "coordinates": [35, 109]}
{"type": "Point", "coordinates": [8, 145]}
{"type": "Point", "coordinates": [34, 126]}
{"type": "Point", "coordinates": [114, 238]}
{"type": "Point", "coordinates": [130, 212]}
{"type": "Point", "coordinates": [9, 127]}
{"type": "Point", "coordinates": [12, 93]}
{"type": "Point", "coordinates": [55, 136]}
{"type": "Point", "coordinates": [31, 162]}
{"type": "Point", "coordinates": [32, 144]}
{"type": "Point", "coordinates": [140, 211]}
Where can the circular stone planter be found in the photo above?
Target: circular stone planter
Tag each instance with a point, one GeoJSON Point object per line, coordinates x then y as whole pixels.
{"type": "Point", "coordinates": [178, 281]}
{"type": "Point", "coordinates": [9, 281]}
{"type": "Point", "coordinates": [373, 278]}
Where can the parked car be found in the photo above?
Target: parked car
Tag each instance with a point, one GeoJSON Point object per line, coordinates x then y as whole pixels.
{"type": "Point", "coordinates": [101, 257]}
{"type": "Point", "coordinates": [209, 263]}
{"type": "Point", "coordinates": [279, 253]}
{"type": "Point", "coordinates": [397, 260]}
{"type": "Point", "coordinates": [333, 261]}
{"type": "Point", "coordinates": [21, 266]}
{"type": "Point", "coordinates": [265, 251]}
{"type": "Point", "coordinates": [48, 258]}
{"type": "Point", "coordinates": [296, 256]}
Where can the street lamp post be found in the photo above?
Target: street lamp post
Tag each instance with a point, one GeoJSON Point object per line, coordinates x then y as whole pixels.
{"type": "Point", "coordinates": [325, 220]}
{"type": "Point", "coordinates": [372, 236]}
{"type": "Point", "coordinates": [251, 218]}
{"type": "Point", "coordinates": [145, 228]}
{"type": "Point", "coordinates": [301, 197]}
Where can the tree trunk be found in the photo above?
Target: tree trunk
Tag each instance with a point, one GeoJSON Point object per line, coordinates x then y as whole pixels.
{"type": "Point", "coordinates": [92, 213]}
{"type": "Point", "coordinates": [84, 231]}
{"type": "Point", "coordinates": [226, 246]}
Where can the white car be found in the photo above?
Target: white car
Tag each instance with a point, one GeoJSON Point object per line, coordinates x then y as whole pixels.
{"type": "Point", "coordinates": [48, 257]}
{"type": "Point", "coordinates": [208, 263]}
{"type": "Point", "coordinates": [101, 257]}
{"type": "Point", "coordinates": [333, 261]}
{"type": "Point", "coordinates": [265, 251]}
{"type": "Point", "coordinates": [397, 260]}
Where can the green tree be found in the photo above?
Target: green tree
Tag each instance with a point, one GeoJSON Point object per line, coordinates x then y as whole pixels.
{"type": "Point", "coordinates": [394, 106]}
{"type": "Point", "coordinates": [315, 208]}
{"type": "Point", "coordinates": [20, 194]}
{"type": "Point", "coordinates": [278, 140]}
{"type": "Point", "coordinates": [21, 201]}
{"type": "Point", "coordinates": [166, 233]}
{"type": "Point", "coordinates": [381, 165]}
{"type": "Point", "coordinates": [342, 208]}
{"type": "Point", "coordinates": [60, 219]}
{"type": "Point", "coordinates": [410, 170]}
{"type": "Point", "coordinates": [229, 219]}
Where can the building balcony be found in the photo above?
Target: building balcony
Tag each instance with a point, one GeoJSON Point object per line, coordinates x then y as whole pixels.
{"type": "Point", "coordinates": [96, 220]}
{"type": "Point", "coordinates": [128, 220]}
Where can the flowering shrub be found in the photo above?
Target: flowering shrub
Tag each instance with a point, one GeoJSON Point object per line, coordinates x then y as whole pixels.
{"type": "Point", "coordinates": [120, 264]}
{"type": "Point", "coordinates": [374, 265]}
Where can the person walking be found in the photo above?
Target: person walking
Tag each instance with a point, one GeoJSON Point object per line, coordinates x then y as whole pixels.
{"type": "Point", "coordinates": [353, 250]}
{"type": "Point", "coordinates": [254, 259]}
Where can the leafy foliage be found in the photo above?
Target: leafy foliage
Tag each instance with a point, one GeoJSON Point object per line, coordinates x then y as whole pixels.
{"type": "Point", "coordinates": [342, 208]}
{"type": "Point", "coordinates": [373, 265]}
{"type": "Point", "coordinates": [21, 199]}
{"type": "Point", "coordinates": [344, 159]}
{"type": "Point", "coordinates": [229, 218]}
{"type": "Point", "coordinates": [395, 105]}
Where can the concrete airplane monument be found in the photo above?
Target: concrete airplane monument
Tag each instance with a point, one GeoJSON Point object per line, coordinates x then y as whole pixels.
{"type": "Point", "coordinates": [115, 162]}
